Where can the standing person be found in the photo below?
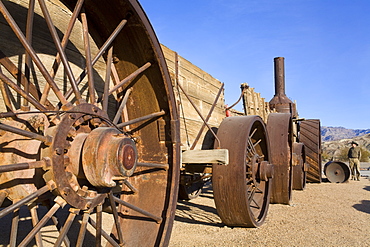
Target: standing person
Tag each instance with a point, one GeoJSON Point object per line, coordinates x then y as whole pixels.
{"type": "Point", "coordinates": [354, 156]}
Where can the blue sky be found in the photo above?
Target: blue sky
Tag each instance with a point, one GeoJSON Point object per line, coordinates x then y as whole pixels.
{"type": "Point", "coordinates": [326, 45]}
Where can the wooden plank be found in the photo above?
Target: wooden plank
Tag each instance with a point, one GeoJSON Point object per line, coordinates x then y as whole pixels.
{"type": "Point", "coordinates": [206, 156]}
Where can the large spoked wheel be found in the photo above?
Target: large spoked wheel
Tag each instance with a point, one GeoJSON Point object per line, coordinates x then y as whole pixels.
{"type": "Point", "coordinates": [88, 118]}
{"type": "Point", "coordinates": [242, 188]}
{"type": "Point", "coordinates": [279, 127]}
{"type": "Point", "coordinates": [299, 166]}
{"type": "Point", "coordinates": [310, 135]}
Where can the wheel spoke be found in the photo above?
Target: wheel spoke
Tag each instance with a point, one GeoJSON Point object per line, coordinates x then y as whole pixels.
{"type": "Point", "coordinates": [60, 49]}
{"type": "Point", "coordinates": [64, 43]}
{"type": "Point", "coordinates": [115, 216]}
{"type": "Point", "coordinates": [104, 234]}
{"type": "Point", "coordinates": [57, 225]}
{"type": "Point", "coordinates": [257, 142]}
{"type": "Point", "coordinates": [107, 79]}
{"type": "Point", "coordinates": [154, 165]}
{"type": "Point", "coordinates": [28, 62]}
{"type": "Point", "coordinates": [252, 134]}
{"type": "Point", "coordinates": [141, 119]}
{"type": "Point", "coordinates": [14, 71]}
{"type": "Point", "coordinates": [23, 201]}
{"type": "Point", "coordinates": [14, 229]}
{"type": "Point", "coordinates": [16, 88]}
{"type": "Point", "coordinates": [89, 67]}
{"type": "Point", "coordinates": [256, 204]}
{"type": "Point", "coordinates": [67, 225]}
{"type": "Point", "coordinates": [24, 166]}
{"type": "Point", "coordinates": [122, 105]}
{"type": "Point", "coordinates": [35, 221]}
{"type": "Point", "coordinates": [81, 234]}
{"type": "Point", "coordinates": [99, 224]}
{"type": "Point", "coordinates": [252, 192]}
{"type": "Point", "coordinates": [44, 139]}
{"type": "Point", "coordinates": [130, 186]}
{"type": "Point", "coordinates": [101, 51]}
{"type": "Point", "coordinates": [139, 210]}
{"type": "Point", "coordinates": [59, 203]}
{"type": "Point", "coordinates": [32, 53]}
{"type": "Point", "coordinates": [129, 78]}
{"type": "Point", "coordinates": [5, 93]}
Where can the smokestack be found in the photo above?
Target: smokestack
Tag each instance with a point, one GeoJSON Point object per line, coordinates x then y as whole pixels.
{"type": "Point", "coordinates": [280, 102]}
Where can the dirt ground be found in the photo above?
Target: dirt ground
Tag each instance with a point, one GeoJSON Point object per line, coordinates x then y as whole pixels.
{"type": "Point", "coordinates": [325, 214]}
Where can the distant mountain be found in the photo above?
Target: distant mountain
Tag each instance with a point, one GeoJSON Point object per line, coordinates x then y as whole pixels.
{"type": "Point", "coordinates": [333, 148]}
{"type": "Point", "coordinates": [339, 133]}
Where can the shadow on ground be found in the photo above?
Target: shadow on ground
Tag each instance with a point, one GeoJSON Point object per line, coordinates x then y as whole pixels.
{"type": "Point", "coordinates": [364, 206]}
{"type": "Point", "coordinates": [193, 212]}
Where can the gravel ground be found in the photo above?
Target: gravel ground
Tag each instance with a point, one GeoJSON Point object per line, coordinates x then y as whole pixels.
{"type": "Point", "coordinates": [325, 214]}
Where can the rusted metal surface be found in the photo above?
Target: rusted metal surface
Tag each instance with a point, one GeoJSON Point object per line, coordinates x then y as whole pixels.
{"type": "Point", "coordinates": [242, 189]}
{"type": "Point", "coordinates": [337, 172]}
{"type": "Point", "coordinates": [299, 166]}
{"type": "Point", "coordinates": [279, 128]}
{"type": "Point", "coordinates": [280, 101]}
{"type": "Point", "coordinates": [310, 135]}
{"type": "Point", "coordinates": [105, 135]}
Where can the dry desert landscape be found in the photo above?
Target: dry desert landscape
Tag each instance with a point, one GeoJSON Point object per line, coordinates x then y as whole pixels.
{"type": "Point", "coordinates": [325, 214]}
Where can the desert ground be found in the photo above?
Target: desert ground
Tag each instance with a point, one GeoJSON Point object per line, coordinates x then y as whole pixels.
{"type": "Point", "coordinates": [324, 214]}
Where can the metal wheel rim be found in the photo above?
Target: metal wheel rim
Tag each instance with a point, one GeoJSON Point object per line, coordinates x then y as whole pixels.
{"type": "Point", "coordinates": [242, 198]}
{"type": "Point", "coordinates": [279, 127]}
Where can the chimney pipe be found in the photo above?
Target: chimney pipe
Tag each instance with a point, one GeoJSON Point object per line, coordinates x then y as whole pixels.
{"type": "Point", "coordinates": [280, 102]}
{"type": "Point", "coordinates": [279, 76]}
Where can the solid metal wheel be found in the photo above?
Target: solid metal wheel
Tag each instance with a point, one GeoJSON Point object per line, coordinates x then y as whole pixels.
{"type": "Point", "coordinates": [310, 135]}
{"type": "Point", "coordinates": [242, 188]}
{"type": "Point", "coordinates": [337, 172]}
{"type": "Point", "coordinates": [279, 128]}
{"type": "Point", "coordinates": [299, 166]}
{"type": "Point", "coordinates": [88, 118]}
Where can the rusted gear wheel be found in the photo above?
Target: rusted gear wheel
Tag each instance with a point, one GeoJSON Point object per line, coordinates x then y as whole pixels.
{"type": "Point", "coordinates": [279, 128]}
{"type": "Point", "coordinates": [242, 188]}
{"type": "Point", "coordinates": [300, 167]}
{"type": "Point", "coordinates": [310, 135]}
{"type": "Point", "coordinates": [88, 118]}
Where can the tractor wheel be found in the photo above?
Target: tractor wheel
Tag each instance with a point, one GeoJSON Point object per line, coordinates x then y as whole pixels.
{"type": "Point", "coordinates": [88, 118]}
{"type": "Point", "coordinates": [310, 135]}
{"type": "Point", "coordinates": [279, 127]}
{"type": "Point", "coordinates": [242, 188]}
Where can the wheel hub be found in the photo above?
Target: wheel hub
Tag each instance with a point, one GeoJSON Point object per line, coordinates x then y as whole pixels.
{"type": "Point", "coordinates": [107, 153]}
{"type": "Point", "coordinates": [87, 158]}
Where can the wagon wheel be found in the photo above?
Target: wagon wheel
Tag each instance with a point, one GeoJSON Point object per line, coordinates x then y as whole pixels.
{"type": "Point", "coordinates": [299, 166]}
{"type": "Point", "coordinates": [310, 135]}
{"type": "Point", "coordinates": [190, 186]}
{"type": "Point", "coordinates": [242, 188]}
{"type": "Point", "coordinates": [100, 128]}
{"type": "Point", "coordinates": [279, 128]}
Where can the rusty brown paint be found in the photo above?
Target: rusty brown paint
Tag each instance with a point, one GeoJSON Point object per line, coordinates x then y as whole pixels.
{"type": "Point", "coordinates": [279, 127]}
